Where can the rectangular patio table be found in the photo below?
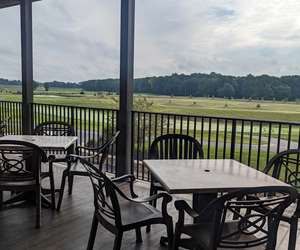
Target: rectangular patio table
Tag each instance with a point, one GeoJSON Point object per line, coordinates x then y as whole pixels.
{"type": "Point", "coordinates": [45, 142]}
{"type": "Point", "coordinates": [65, 143]}
{"type": "Point", "coordinates": [204, 179]}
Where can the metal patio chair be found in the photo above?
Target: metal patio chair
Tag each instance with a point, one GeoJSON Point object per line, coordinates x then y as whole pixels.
{"type": "Point", "coordinates": [55, 128]}
{"type": "Point", "coordinates": [118, 213]}
{"type": "Point", "coordinates": [256, 220]}
{"type": "Point", "coordinates": [3, 126]}
{"type": "Point", "coordinates": [20, 164]}
{"type": "Point", "coordinates": [173, 146]}
{"type": "Point", "coordinates": [96, 154]}
{"type": "Point", "coordinates": [285, 166]}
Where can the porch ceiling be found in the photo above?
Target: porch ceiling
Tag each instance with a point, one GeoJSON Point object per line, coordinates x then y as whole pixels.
{"type": "Point", "coordinates": [10, 3]}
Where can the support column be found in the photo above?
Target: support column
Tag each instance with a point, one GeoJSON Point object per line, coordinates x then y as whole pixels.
{"type": "Point", "coordinates": [124, 147]}
{"type": "Point", "coordinates": [27, 65]}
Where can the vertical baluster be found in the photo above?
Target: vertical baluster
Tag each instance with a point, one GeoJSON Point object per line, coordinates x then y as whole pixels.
{"type": "Point", "coordinates": [279, 138]}
{"type": "Point", "coordinates": [250, 143]}
{"type": "Point", "coordinates": [225, 140]}
{"type": "Point", "coordinates": [149, 141]}
{"type": "Point", "coordinates": [289, 136]}
{"type": "Point", "coordinates": [258, 146]}
{"type": "Point", "coordinates": [138, 145]}
{"type": "Point", "coordinates": [217, 139]}
{"type": "Point", "coordinates": [242, 141]}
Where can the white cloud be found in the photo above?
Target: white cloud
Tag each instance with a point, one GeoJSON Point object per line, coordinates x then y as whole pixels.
{"type": "Point", "coordinates": [76, 40]}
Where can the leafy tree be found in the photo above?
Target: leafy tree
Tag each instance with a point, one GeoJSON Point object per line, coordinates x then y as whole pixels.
{"type": "Point", "coordinates": [282, 92]}
{"type": "Point", "coordinates": [46, 86]}
{"type": "Point", "coordinates": [226, 91]}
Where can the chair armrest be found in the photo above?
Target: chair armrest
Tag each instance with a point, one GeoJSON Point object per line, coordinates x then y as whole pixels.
{"type": "Point", "coordinates": [161, 195]}
{"type": "Point", "coordinates": [164, 206]}
{"type": "Point", "coordinates": [79, 148]}
{"type": "Point", "coordinates": [166, 199]}
{"type": "Point", "coordinates": [127, 178]}
{"type": "Point", "coordinates": [182, 205]}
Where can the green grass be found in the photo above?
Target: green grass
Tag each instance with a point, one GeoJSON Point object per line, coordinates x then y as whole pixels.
{"type": "Point", "coordinates": [267, 110]}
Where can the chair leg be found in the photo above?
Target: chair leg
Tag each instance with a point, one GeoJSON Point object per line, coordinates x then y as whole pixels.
{"type": "Point", "coordinates": [293, 233]}
{"type": "Point", "coordinates": [170, 232]}
{"type": "Point", "coordinates": [52, 185]}
{"type": "Point", "coordinates": [1, 200]}
{"type": "Point", "coordinates": [153, 191]}
{"type": "Point", "coordinates": [118, 241]}
{"type": "Point", "coordinates": [138, 233]}
{"type": "Point", "coordinates": [93, 233]}
{"type": "Point", "coordinates": [62, 189]}
{"type": "Point", "coordinates": [176, 238]}
{"type": "Point", "coordinates": [70, 182]}
{"type": "Point", "coordinates": [38, 206]}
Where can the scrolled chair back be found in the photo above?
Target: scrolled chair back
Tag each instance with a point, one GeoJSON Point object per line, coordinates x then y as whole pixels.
{"type": "Point", "coordinates": [175, 146]}
{"type": "Point", "coordinates": [3, 126]}
{"type": "Point", "coordinates": [106, 202]}
{"type": "Point", "coordinates": [257, 213]}
{"type": "Point", "coordinates": [54, 128]}
{"type": "Point", "coordinates": [20, 160]}
{"type": "Point", "coordinates": [285, 166]}
{"type": "Point", "coordinates": [101, 153]}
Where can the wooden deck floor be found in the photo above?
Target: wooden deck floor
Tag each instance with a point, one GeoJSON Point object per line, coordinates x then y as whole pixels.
{"type": "Point", "coordinates": [69, 229]}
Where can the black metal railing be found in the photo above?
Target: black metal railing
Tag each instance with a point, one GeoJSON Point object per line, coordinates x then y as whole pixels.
{"type": "Point", "coordinates": [92, 126]}
{"type": "Point", "coordinates": [252, 142]}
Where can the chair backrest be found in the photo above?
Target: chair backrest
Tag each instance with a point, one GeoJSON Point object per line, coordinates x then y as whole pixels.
{"type": "Point", "coordinates": [257, 213]}
{"type": "Point", "coordinates": [106, 201]}
{"type": "Point", "coordinates": [20, 160]}
{"type": "Point", "coordinates": [55, 128]}
{"type": "Point", "coordinates": [101, 153]}
{"type": "Point", "coordinates": [175, 146]}
{"type": "Point", "coordinates": [286, 167]}
{"type": "Point", "coordinates": [3, 126]}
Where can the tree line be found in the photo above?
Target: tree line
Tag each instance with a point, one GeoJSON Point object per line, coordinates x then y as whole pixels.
{"type": "Point", "coordinates": [200, 85]}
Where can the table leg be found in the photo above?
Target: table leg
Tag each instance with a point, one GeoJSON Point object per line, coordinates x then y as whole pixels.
{"type": "Point", "coordinates": [200, 201]}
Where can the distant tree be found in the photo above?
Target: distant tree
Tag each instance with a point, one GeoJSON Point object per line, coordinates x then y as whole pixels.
{"type": "Point", "coordinates": [46, 86]}
{"type": "Point", "coordinates": [226, 91]}
{"type": "Point", "coordinates": [35, 85]}
{"type": "Point", "coordinates": [195, 85]}
{"type": "Point", "coordinates": [282, 92]}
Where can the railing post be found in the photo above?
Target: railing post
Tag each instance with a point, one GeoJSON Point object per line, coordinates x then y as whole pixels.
{"type": "Point", "coordinates": [27, 65]}
{"type": "Point", "coordinates": [124, 148]}
{"type": "Point", "coordinates": [233, 137]}
{"type": "Point", "coordinates": [73, 117]}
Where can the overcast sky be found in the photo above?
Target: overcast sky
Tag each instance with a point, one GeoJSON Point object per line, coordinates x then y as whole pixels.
{"type": "Point", "coordinates": [77, 40]}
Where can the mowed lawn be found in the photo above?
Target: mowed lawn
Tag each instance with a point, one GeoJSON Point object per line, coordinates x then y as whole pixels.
{"type": "Point", "coordinates": [255, 109]}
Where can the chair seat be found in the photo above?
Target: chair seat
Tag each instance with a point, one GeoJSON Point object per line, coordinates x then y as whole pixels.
{"type": "Point", "coordinates": [10, 185]}
{"type": "Point", "coordinates": [12, 177]}
{"type": "Point", "coordinates": [200, 234]}
{"type": "Point", "coordinates": [133, 213]}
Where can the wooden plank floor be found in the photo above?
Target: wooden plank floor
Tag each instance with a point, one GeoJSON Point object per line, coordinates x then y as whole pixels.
{"type": "Point", "coordinates": [69, 228]}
